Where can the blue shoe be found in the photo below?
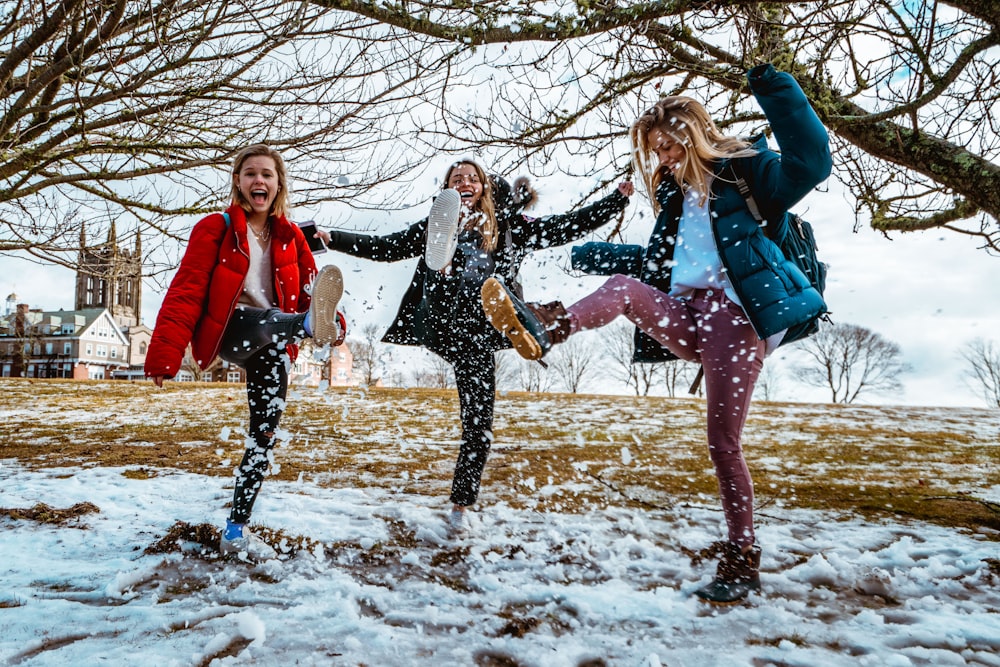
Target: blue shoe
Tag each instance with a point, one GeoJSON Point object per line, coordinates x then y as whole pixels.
{"type": "Point", "coordinates": [246, 547]}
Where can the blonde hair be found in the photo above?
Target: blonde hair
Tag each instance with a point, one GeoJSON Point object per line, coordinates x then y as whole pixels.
{"type": "Point", "coordinates": [487, 221]}
{"type": "Point", "coordinates": [687, 122]}
{"type": "Point", "coordinates": [279, 207]}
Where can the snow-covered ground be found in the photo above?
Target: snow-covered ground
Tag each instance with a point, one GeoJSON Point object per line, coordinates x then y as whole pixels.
{"type": "Point", "coordinates": [379, 583]}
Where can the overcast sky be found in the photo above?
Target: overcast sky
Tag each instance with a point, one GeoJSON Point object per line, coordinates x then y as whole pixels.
{"type": "Point", "coordinates": [929, 292]}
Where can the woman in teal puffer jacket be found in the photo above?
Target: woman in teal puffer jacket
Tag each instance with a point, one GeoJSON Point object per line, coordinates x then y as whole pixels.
{"type": "Point", "coordinates": [711, 285]}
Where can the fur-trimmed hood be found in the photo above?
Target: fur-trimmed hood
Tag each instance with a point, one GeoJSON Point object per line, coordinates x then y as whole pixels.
{"type": "Point", "coordinates": [515, 198]}
{"type": "Point", "coordinates": [524, 193]}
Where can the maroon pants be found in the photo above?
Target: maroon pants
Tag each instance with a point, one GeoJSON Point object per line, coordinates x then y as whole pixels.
{"type": "Point", "coordinates": [709, 328]}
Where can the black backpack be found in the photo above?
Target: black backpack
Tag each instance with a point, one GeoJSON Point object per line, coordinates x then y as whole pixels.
{"type": "Point", "coordinates": [794, 236]}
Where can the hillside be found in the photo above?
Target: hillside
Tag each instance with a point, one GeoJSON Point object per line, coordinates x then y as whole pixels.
{"type": "Point", "coordinates": [552, 451]}
{"type": "Point", "coordinates": [881, 531]}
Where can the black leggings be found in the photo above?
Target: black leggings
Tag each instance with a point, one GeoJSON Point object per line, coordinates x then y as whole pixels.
{"type": "Point", "coordinates": [475, 377]}
{"type": "Point", "coordinates": [455, 328]}
{"type": "Point", "coordinates": [256, 339]}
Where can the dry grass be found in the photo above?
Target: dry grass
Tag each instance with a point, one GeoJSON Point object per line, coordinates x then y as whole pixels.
{"type": "Point", "coordinates": [42, 513]}
{"type": "Point", "coordinates": [552, 451]}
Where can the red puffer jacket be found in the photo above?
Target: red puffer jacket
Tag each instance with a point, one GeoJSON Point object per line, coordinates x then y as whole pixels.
{"type": "Point", "coordinates": [203, 293]}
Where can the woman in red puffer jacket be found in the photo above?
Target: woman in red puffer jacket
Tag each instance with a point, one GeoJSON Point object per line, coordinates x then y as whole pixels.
{"type": "Point", "coordinates": [247, 291]}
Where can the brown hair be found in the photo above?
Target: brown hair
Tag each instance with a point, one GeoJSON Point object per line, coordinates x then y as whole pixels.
{"type": "Point", "coordinates": [487, 222]}
{"type": "Point", "coordinates": [687, 122]}
{"type": "Point", "coordinates": [279, 207]}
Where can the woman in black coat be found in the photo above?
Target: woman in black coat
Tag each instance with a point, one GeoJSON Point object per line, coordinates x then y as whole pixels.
{"type": "Point", "coordinates": [442, 311]}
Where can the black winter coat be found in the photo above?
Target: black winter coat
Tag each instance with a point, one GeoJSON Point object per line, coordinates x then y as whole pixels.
{"type": "Point", "coordinates": [518, 235]}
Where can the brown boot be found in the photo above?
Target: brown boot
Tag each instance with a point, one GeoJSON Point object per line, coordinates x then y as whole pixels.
{"type": "Point", "coordinates": [737, 575]}
{"type": "Point", "coordinates": [554, 318]}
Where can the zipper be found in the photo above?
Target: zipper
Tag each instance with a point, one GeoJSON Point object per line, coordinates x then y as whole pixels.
{"type": "Point", "coordinates": [736, 287]}
{"type": "Point", "coordinates": [232, 306]}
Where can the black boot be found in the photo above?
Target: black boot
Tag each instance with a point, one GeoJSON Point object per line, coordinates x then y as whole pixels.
{"type": "Point", "coordinates": [736, 576]}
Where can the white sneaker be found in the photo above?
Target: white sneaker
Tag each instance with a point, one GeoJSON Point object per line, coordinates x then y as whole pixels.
{"type": "Point", "coordinates": [327, 289]}
{"type": "Point", "coordinates": [458, 523]}
{"type": "Point", "coordinates": [442, 229]}
{"type": "Point", "coordinates": [247, 547]}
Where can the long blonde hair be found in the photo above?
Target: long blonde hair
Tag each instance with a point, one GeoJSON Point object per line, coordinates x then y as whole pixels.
{"type": "Point", "coordinates": [687, 122]}
{"type": "Point", "coordinates": [487, 221]}
{"type": "Point", "coordinates": [279, 207]}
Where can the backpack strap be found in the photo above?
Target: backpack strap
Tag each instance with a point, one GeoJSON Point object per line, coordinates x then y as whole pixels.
{"type": "Point", "coordinates": [744, 189]}
{"type": "Point", "coordinates": [225, 215]}
{"type": "Point", "coordinates": [696, 385]}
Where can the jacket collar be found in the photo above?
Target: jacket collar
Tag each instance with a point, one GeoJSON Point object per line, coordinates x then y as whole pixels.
{"type": "Point", "coordinates": [281, 228]}
{"type": "Point", "coordinates": [665, 190]}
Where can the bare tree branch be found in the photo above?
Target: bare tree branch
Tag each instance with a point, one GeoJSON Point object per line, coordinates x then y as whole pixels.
{"type": "Point", "coordinates": [910, 90]}
{"type": "Point", "coordinates": [369, 354]}
{"type": "Point", "coordinates": [135, 108]}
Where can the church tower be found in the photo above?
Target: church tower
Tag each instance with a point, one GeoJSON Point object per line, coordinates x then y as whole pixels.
{"type": "Point", "coordinates": [108, 276]}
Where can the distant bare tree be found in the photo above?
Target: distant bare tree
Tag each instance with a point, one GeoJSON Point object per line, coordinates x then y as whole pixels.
{"type": "Point", "coordinates": [849, 360]}
{"type": "Point", "coordinates": [768, 382]}
{"type": "Point", "coordinates": [507, 370]}
{"type": "Point", "coordinates": [436, 374]}
{"type": "Point", "coordinates": [535, 377]}
{"type": "Point", "coordinates": [519, 374]}
{"type": "Point", "coordinates": [646, 377]}
{"type": "Point", "coordinates": [619, 347]}
{"type": "Point", "coordinates": [573, 362]}
{"type": "Point", "coordinates": [679, 375]}
{"type": "Point", "coordinates": [675, 375]}
{"type": "Point", "coordinates": [369, 354]}
{"type": "Point", "coordinates": [982, 370]}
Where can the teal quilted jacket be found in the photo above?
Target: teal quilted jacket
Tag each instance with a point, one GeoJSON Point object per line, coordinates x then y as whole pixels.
{"type": "Point", "coordinates": [774, 292]}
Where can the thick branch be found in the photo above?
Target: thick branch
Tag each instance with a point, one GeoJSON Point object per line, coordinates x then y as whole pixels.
{"type": "Point", "coordinates": [478, 23]}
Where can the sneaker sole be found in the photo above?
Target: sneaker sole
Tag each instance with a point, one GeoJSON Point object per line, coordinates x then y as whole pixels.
{"type": "Point", "coordinates": [500, 311]}
{"type": "Point", "coordinates": [727, 603]}
{"type": "Point", "coordinates": [327, 290]}
{"type": "Point", "coordinates": [229, 550]}
{"type": "Point", "coordinates": [442, 229]}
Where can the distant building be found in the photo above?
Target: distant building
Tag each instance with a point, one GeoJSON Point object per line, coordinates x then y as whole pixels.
{"type": "Point", "coordinates": [79, 344]}
{"type": "Point", "coordinates": [335, 371]}
{"type": "Point", "coordinates": [110, 276]}
{"type": "Point", "coordinates": [102, 338]}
